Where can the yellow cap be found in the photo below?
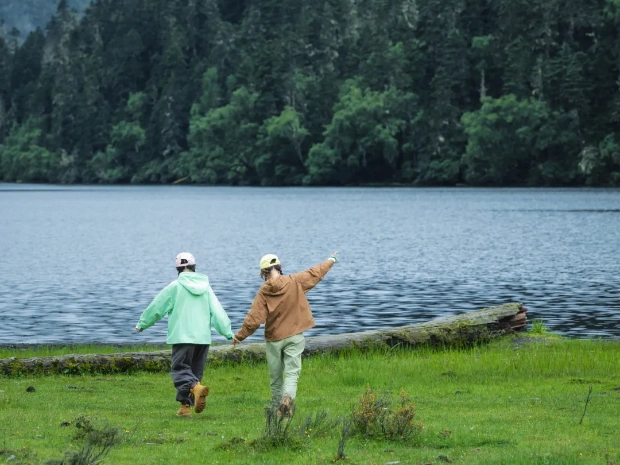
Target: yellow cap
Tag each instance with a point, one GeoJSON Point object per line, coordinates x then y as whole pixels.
{"type": "Point", "coordinates": [269, 260]}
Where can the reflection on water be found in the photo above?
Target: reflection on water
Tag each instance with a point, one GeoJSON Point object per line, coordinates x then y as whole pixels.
{"type": "Point", "coordinates": [80, 264]}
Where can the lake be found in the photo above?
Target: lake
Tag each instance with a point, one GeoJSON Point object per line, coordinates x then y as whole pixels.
{"type": "Point", "coordinates": [79, 264]}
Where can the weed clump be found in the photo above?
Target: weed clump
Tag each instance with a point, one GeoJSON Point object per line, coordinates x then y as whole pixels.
{"type": "Point", "coordinates": [282, 432]}
{"type": "Point", "coordinates": [539, 327]}
{"type": "Point", "coordinates": [97, 443]}
{"type": "Point", "coordinates": [278, 432]}
{"type": "Point", "coordinates": [345, 433]}
{"type": "Point", "coordinates": [375, 418]}
{"type": "Point", "coordinates": [317, 424]}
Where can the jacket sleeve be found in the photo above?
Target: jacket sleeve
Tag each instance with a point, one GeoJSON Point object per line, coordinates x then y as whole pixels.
{"type": "Point", "coordinates": [255, 317]}
{"type": "Point", "coordinates": [219, 318]}
{"type": "Point", "coordinates": [310, 278]}
{"type": "Point", "coordinates": [162, 305]}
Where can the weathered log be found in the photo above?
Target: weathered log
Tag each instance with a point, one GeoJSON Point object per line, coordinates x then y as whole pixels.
{"type": "Point", "coordinates": [459, 330]}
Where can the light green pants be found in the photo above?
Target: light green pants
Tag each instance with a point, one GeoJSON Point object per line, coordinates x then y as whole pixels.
{"type": "Point", "coordinates": [284, 361]}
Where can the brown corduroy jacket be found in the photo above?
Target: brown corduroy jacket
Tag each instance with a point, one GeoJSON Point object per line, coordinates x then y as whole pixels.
{"type": "Point", "coordinates": [282, 305]}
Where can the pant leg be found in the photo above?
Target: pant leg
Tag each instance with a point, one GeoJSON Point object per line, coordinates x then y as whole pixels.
{"type": "Point", "coordinates": [181, 371]}
{"type": "Point", "coordinates": [199, 360]}
{"type": "Point", "coordinates": [276, 373]}
{"type": "Point", "coordinates": [292, 351]}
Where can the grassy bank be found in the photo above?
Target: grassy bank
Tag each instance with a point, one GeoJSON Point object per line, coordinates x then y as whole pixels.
{"type": "Point", "coordinates": [510, 402]}
{"type": "Point", "coordinates": [49, 350]}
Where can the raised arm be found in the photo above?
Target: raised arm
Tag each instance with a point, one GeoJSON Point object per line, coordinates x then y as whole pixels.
{"type": "Point", "coordinates": [311, 277]}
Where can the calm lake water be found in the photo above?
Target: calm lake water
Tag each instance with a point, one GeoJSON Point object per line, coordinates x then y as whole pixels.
{"type": "Point", "coordinates": [79, 264]}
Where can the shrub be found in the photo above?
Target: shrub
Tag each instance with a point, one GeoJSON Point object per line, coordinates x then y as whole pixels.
{"type": "Point", "coordinates": [97, 442]}
{"type": "Point", "coordinates": [373, 417]}
{"type": "Point", "coordinates": [318, 424]}
{"type": "Point", "coordinates": [539, 327]}
{"type": "Point", "coordinates": [277, 432]}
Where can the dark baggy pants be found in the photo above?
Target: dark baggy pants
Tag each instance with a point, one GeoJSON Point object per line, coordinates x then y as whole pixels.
{"type": "Point", "coordinates": [188, 365]}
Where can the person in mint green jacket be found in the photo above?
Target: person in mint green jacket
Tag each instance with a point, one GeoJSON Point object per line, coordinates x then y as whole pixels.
{"type": "Point", "coordinates": [192, 309]}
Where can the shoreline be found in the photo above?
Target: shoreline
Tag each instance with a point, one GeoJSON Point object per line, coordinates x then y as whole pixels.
{"type": "Point", "coordinates": [58, 187]}
{"type": "Point", "coordinates": [457, 331]}
{"type": "Point", "coordinates": [131, 346]}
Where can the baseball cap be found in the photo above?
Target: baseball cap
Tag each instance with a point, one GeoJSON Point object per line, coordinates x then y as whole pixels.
{"type": "Point", "coordinates": [188, 257]}
{"type": "Point", "coordinates": [269, 260]}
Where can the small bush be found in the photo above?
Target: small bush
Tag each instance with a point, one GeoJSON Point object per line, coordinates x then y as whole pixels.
{"type": "Point", "coordinates": [401, 424]}
{"type": "Point", "coordinates": [371, 412]}
{"type": "Point", "coordinates": [539, 327]}
{"type": "Point", "coordinates": [277, 431]}
{"type": "Point", "coordinates": [97, 444]}
{"type": "Point", "coordinates": [374, 417]}
{"type": "Point", "coordinates": [345, 433]}
{"type": "Point", "coordinates": [317, 424]}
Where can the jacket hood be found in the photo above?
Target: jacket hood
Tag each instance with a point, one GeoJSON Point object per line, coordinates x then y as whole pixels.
{"type": "Point", "coordinates": [276, 286]}
{"type": "Point", "coordinates": [195, 283]}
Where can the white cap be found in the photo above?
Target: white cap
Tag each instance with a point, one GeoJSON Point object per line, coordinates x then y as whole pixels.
{"type": "Point", "coordinates": [187, 257]}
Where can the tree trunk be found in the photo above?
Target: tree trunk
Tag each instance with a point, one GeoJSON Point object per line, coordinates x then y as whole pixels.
{"type": "Point", "coordinates": [483, 85]}
{"type": "Point", "coordinates": [456, 331]}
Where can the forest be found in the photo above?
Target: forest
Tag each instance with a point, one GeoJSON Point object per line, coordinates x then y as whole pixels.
{"type": "Point", "coordinates": [314, 92]}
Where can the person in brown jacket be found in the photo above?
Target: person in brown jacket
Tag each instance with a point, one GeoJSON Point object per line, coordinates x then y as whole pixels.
{"type": "Point", "coordinates": [282, 305]}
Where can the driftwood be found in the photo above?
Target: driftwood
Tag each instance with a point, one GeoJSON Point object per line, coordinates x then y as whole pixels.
{"type": "Point", "coordinates": [460, 330]}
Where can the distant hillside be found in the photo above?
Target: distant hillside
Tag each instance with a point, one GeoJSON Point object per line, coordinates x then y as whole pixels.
{"type": "Point", "coordinates": [27, 15]}
{"type": "Point", "coordinates": [315, 92]}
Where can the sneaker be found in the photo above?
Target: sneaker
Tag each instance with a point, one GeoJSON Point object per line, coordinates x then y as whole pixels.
{"type": "Point", "coordinates": [200, 394]}
{"type": "Point", "coordinates": [286, 407]}
{"type": "Point", "coordinates": [184, 411]}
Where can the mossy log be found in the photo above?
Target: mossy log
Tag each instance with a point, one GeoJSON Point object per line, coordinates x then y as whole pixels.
{"type": "Point", "coordinates": [455, 331]}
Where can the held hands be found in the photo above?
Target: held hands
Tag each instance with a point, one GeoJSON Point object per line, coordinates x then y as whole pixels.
{"type": "Point", "coordinates": [235, 341]}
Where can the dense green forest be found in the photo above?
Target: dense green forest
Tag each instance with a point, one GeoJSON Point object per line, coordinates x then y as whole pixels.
{"type": "Point", "coordinates": [316, 92]}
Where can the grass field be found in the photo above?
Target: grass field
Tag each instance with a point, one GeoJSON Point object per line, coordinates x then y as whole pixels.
{"type": "Point", "coordinates": [511, 402]}
{"type": "Point", "coordinates": [51, 350]}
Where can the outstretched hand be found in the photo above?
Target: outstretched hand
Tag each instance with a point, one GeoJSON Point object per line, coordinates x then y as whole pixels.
{"type": "Point", "coordinates": [138, 330]}
{"type": "Point", "coordinates": [334, 256]}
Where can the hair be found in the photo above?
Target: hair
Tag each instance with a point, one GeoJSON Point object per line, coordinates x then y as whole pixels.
{"type": "Point", "coordinates": [180, 269]}
{"type": "Point", "coordinates": [265, 272]}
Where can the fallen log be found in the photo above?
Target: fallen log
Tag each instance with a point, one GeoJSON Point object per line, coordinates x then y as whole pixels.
{"type": "Point", "coordinates": [459, 330]}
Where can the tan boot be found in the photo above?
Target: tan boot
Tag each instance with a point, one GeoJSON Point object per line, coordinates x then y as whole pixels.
{"type": "Point", "coordinates": [286, 407]}
{"type": "Point", "coordinates": [200, 394]}
{"type": "Point", "coordinates": [184, 411]}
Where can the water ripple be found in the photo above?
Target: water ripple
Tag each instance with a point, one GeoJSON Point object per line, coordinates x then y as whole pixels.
{"type": "Point", "coordinates": [80, 264]}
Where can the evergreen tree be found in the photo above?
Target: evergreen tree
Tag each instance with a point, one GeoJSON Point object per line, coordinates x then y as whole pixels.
{"type": "Point", "coordinates": [498, 92]}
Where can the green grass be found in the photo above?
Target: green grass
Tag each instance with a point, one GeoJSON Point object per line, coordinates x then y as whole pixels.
{"type": "Point", "coordinates": [539, 328]}
{"type": "Point", "coordinates": [505, 403]}
{"type": "Point", "coordinates": [27, 351]}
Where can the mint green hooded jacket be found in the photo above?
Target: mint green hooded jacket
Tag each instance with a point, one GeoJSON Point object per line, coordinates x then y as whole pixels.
{"type": "Point", "coordinates": [192, 309]}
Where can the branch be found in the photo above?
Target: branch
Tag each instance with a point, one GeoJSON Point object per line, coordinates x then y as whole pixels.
{"type": "Point", "coordinates": [586, 406]}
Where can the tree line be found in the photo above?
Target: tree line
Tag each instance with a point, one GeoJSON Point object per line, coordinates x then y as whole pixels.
{"type": "Point", "coordinates": [319, 92]}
